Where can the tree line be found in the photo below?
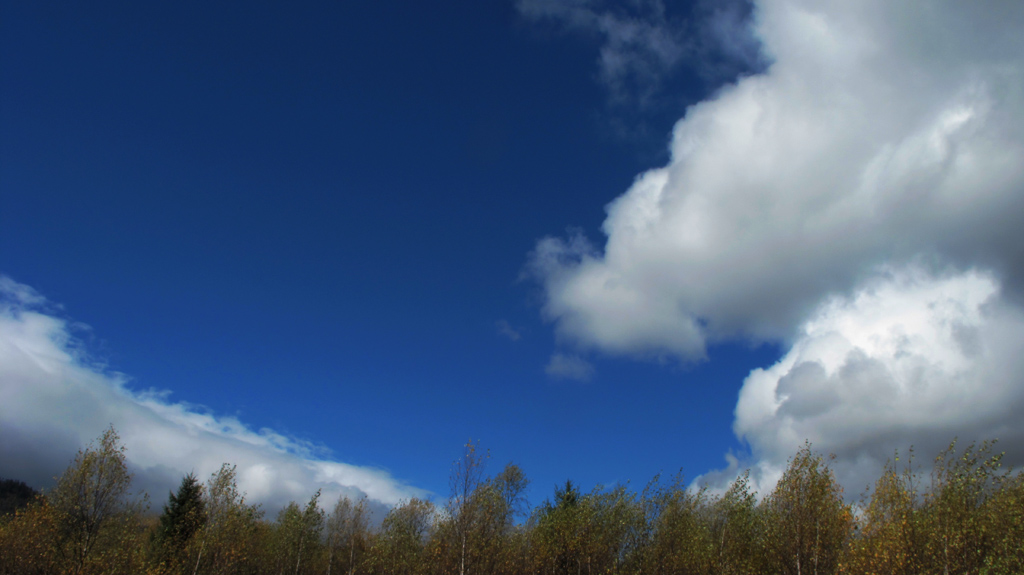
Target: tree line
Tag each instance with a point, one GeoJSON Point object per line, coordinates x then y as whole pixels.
{"type": "Point", "coordinates": [968, 519]}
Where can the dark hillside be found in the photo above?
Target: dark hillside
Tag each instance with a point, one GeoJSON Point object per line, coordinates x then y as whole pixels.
{"type": "Point", "coordinates": [14, 495]}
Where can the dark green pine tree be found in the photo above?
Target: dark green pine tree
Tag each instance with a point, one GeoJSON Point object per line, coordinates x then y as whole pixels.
{"type": "Point", "coordinates": [567, 497]}
{"type": "Point", "coordinates": [183, 515]}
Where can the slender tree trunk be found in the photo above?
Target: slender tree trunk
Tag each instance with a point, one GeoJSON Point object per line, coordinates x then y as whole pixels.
{"type": "Point", "coordinates": [817, 544]}
{"type": "Point", "coordinates": [202, 545]}
{"type": "Point", "coordinates": [721, 548]}
{"type": "Point", "coordinates": [352, 554]}
{"type": "Point", "coordinates": [945, 553]}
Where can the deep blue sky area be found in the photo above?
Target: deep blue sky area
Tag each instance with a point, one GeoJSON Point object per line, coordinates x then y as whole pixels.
{"type": "Point", "coordinates": [312, 216]}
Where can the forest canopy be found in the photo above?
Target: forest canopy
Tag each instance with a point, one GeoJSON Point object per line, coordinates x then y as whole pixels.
{"type": "Point", "coordinates": [966, 516]}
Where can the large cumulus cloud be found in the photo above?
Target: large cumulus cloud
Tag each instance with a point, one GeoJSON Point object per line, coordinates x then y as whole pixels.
{"type": "Point", "coordinates": [909, 360]}
{"type": "Point", "coordinates": [881, 132]}
{"type": "Point", "coordinates": [54, 400]}
{"type": "Point", "coordinates": [860, 202]}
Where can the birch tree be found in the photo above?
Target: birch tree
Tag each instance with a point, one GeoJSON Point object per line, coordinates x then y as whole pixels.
{"type": "Point", "coordinates": [807, 522]}
{"type": "Point", "coordinates": [347, 530]}
{"type": "Point", "coordinates": [466, 478]}
{"type": "Point", "coordinates": [96, 516]}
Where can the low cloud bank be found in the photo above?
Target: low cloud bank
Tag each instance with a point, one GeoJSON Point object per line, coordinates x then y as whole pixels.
{"type": "Point", "coordinates": [54, 400]}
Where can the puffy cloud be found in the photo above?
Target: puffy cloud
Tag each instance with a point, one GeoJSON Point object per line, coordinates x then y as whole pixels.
{"type": "Point", "coordinates": [564, 366]}
{"type": "Point", "coordinates": [907, 360]}
{"type": "Point", "coordinates": [860, 201]}
{"type": "Point", "coordinates": [54, 400]}
{"type": "Point", "coordinates": [882, 133]}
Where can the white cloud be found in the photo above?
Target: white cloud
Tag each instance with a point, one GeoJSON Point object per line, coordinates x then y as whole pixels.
{"type": "Point", "coordinates": [54, 401]}
{"type": "Point", "coordinates": [881, 133]}
{"type": "Point", "coordinates": [860, 202]}
{"type": "Point", "coordinates": [563, 366]}
{"type": "Point", "coordinates": [908, 360]}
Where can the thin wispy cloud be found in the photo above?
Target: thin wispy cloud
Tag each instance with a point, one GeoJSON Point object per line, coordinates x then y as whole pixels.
{"type": "Point", "coordinates": [505, 329]}
{"type": "Point", "coordinates": [567, 366]}
{"type": "Point", "coordinates": [54, 400]}
{"type": "Point", "coordinates": [859, 202]}
{"type": "Point", "coordinates": [643, 44]}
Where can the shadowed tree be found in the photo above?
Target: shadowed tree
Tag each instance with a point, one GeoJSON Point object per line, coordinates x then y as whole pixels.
{"type": "Point", "coordinates": [559, 531]}
{"type": "Point", "coordinates": [347, 533]}
{"type": "Point", "coordinates": [27, 541]}
{"type": "Point", "coordinates": [466, 478]}
{"type": "Point", "coordinates": [399, 548]}
{"type": "Point", "coordinates": [807, 522]}
{"type": "Point", "coordinates": [183, 515]}
{"type": "Point", "coordinates": [1004, 513]}
{"type": "Point", "coordinates": [682, 541]}
{"type": "Point", "coordinates": [227, 542]}
{"type": "Point", "coordinates": [495, 505]}
{"type": "Point", "coordinates": [298, 534]}
{"type": "Point", "coordinates": [960, 536]}
{"type": "Point", "coordinates": [890, 538]}
{"type": "Point", "coordinates": [608, 534]}
{"type": "Point", "coordinates": [96, 518]}
{"type": "Point", "coordinates": [584, 534]}
{"type": "Point", "coordinates": [510, 486]}
{"type": "Point", "coordinates": [735, 533]}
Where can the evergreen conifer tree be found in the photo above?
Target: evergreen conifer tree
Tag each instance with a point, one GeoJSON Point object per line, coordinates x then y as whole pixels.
{"type": "Point", "coordinates": [183, 514]}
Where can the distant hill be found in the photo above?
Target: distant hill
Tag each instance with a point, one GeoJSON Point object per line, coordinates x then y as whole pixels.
{"type": "Point", "coordinates": [14, 495]}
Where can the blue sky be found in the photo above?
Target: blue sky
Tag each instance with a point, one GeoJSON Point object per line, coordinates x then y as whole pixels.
{"type": "Point", "coordinates": [385, 228]}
